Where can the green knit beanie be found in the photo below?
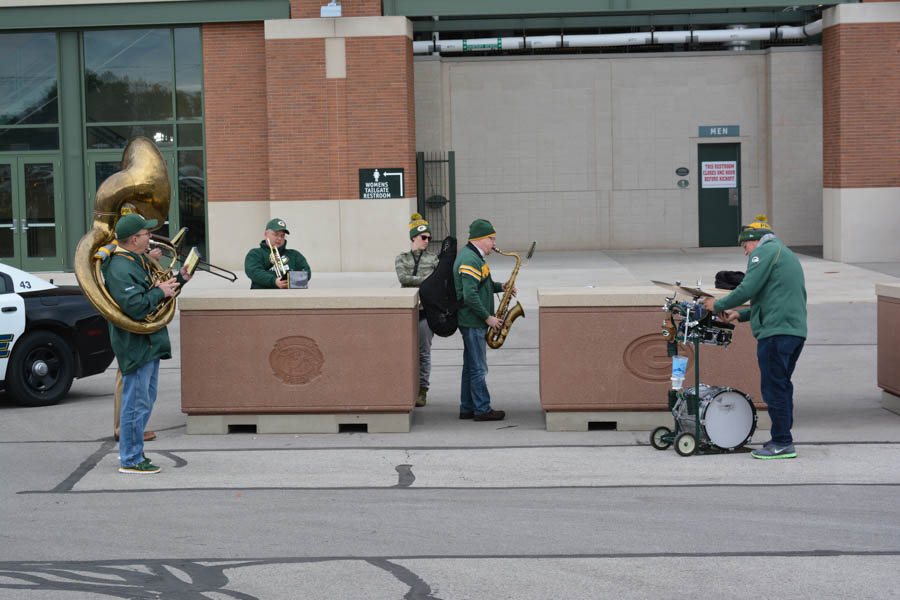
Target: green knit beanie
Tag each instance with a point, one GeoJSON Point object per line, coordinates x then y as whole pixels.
{"type": "Point", "coordinates": [418, 225]}
{"type": "Point", "coordinates": [480, 228]}
{"type": "Point", "coordinates": [755, 230]}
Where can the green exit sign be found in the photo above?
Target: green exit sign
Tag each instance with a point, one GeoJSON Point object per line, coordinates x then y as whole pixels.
{"type": "Point", "coordinates": [720, 131]}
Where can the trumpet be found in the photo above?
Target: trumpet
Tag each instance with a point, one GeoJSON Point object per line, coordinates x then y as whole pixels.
{"type": "Point", "coordinates": [171, 248]}
{"type": "Point", "coordinates": [275, 257]}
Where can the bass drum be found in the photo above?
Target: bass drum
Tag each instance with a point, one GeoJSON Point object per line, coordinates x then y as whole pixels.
{"type": "Point", "coordinates": [727, 416]}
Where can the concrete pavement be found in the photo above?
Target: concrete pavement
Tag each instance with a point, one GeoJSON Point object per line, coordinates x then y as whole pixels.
{"type": "Point", "coordinates": [456, 509]}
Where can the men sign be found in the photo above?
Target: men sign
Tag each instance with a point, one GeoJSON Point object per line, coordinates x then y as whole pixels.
{"type": "Point", "coordinates": [718, 174]}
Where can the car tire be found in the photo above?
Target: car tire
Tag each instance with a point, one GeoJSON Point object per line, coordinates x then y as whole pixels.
{"type": "Point", "coordinates": [40, 370]}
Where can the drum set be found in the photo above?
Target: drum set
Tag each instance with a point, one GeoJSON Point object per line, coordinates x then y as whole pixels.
{"type": "Point", "coordinates": [707, 418]}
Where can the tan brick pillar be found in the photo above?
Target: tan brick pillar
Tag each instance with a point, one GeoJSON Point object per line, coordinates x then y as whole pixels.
{"type": "Point", "coordinates": [861, 131]}
{"type": "Point", "coordinates": [339, 98]}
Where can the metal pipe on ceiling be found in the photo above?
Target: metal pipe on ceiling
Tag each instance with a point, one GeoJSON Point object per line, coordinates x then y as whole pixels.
{"type": "Point", "coordinates": [700, 36]}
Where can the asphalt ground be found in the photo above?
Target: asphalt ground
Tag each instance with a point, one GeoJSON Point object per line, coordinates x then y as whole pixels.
{"type": "Point", "coordinates": [456, 509]}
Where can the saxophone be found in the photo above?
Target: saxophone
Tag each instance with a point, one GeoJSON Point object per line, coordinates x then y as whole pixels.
{"type": "Point", "coordinates": [494, 337]}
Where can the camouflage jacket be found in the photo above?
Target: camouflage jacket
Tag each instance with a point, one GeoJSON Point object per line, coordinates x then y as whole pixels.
{"type": "Point", "coordinates": [408, 274]}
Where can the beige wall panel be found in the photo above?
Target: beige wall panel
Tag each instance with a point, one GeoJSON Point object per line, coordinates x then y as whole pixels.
{"type": "Point", "coordinates": [315, 231]}
{"type": "Point", "coordinates": [373, 233]}
{"type": "Point", "coordinates": [538, 138]}
{"type": "Point", "coordinates": [795, 144]}
{"type": "Point", "coordinates": [850, 232]}
{"type": "Point", "coordinates": [429, 110]}
{"type": "Point", "coordinates": [235, 228]}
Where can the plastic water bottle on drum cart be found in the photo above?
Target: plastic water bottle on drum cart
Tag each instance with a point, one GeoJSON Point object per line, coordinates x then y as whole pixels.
{"type": "Point", "coordinates": [707, 418]}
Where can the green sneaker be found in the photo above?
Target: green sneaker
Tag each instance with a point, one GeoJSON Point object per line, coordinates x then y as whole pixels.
{"type": "Point", "coordinates": [144, 468]}
{"type": "Point", "coordinates": [420, 401]}
{"type": "Point", "coordinates": [772, 450]}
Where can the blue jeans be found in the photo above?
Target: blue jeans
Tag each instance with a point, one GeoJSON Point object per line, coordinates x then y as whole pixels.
{"type": "Point", "coordinates": [777, 356]}
{"type": "Point", "coordinates": [474, 395]}
{"type": "Point", "coordinates": [425, 337]}
{"type": "Point", "coordinates": [138, 396]}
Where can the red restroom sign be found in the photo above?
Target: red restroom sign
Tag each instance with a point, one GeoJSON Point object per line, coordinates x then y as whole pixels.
{"type": "Point", "coordinates": [718, 174]}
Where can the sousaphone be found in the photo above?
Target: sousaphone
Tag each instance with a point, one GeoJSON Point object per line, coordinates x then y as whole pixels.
{"type": "Point", "coordinates": [143, 182]}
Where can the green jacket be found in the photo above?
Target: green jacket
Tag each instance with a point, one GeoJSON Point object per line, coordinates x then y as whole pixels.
{"type": "Point", "coordinates": [774, 286]}
{"type": "Point", "coordinates": [474, 286]}
{"type": "Point", "coordinates": [414, 267]}
{"type": "Point", "coordinates": [259, 268]}
{"type": "Point", "coordinates": [129, 282]}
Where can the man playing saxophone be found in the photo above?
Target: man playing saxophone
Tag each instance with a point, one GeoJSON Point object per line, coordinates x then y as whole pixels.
{"type": "Point", "coordinates": [476, 289]}
{"type": "Point", "coordinates": [259, 265]}
{"type": "Point", "coordinates": [129, 279]}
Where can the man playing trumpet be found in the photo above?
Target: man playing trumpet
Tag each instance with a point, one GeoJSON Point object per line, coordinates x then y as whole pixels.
{"type": "Point", "coordinates": [259, 265]}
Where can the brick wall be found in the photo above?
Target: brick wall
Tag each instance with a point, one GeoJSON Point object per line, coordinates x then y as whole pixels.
{"type": "Point", "coordinates": [381, 115]}
{"type": "Point", "coordinates": [861, 105]}
{"type": "Point", "coordinates": [297, 103]}
{"type": "Point", "coordinates": [322, 131]}
{"type": "Point", "coordinates": [307, 9]}
{"type": "Point", "coordinates": [234, 94]}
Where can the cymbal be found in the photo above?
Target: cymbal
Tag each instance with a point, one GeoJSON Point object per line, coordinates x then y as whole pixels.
{"type": "Point", "coordinates": [692, 292]}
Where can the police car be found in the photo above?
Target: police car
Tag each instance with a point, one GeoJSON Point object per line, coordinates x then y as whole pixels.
{"type": "Point", "coordinates": [49, 335]}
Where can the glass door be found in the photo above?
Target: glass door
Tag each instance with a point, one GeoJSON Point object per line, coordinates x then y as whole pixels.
{"type": "Point", "coordinates": [9, 225]}
{"type": "Point", "coordinates": [102, 165]}
{"type": "Point", "coordinates": [31, 232]}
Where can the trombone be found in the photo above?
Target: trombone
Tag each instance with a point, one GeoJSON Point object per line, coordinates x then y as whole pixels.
{"type": "Point", "coordinates": [171, 247]}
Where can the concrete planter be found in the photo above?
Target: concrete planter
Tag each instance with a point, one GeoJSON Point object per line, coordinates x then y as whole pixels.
{"type": "Point", "coordinates": [603, 359]}
{"type": "Point", "coordinates": [889, 344]}
{"type": "Point", "coordinates": [299, 360]}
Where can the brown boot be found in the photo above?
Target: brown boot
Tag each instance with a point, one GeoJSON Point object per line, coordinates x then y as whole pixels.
{"type": "Point", "coordinates": [493, 415]}
{"type": "Point", "coordinates": [420, 401]}
{"type": "Point", "coordinates": [149, 436]}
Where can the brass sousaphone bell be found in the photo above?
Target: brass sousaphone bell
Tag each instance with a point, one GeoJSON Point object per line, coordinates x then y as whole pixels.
{"type": "Point", "coordinates": [144, 183]}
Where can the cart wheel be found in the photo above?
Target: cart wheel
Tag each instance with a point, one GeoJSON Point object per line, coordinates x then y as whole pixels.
{"type": "Point", "coordinates": [656, 438]}
{"type": "Point", "coordinates": [685, 444]}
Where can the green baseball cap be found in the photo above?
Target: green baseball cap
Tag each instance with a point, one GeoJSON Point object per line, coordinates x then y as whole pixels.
{"type": "Point", "coordinates": [128, 225]}
{"type": "Point", "coordinates": [277, 224]}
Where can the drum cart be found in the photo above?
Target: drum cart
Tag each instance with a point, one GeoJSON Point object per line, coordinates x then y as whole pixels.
{"type": "Point", "coordinates": [707, 419]}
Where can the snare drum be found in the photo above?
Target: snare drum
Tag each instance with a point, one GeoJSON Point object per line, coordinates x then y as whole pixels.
{"type": "Point", "coordinates": [727, 417]}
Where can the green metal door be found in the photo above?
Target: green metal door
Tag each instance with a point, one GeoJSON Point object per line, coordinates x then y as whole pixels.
{"type": "Point", "coordinates": [719, 194]}
{"type": "Point", "coordinates": [103, 164]}
{"type": "Point", "coordinates": [31, 212]}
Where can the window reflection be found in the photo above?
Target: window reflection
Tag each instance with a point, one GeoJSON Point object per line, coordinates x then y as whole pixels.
{"type": "Point", "coordinates": [116, 136]}
{"type": "Point", "coordinates": [128, 75]}
{"type": "Point", "coordinates": [188, 73]}
{"type": "Point", "coordinates": [191, 197]}
{"type": "Point", "coordinates": [28, 79]}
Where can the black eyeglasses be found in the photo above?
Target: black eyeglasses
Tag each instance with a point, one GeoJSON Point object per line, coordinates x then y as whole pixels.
{"type": "Point", "coordinates": [425, 237]}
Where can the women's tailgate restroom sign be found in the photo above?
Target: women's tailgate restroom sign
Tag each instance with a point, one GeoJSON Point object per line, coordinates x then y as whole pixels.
{"type": "Point", "coordinates": [718, 174]}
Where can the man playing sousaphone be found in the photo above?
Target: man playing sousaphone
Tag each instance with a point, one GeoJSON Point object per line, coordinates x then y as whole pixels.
{"type": "Point", "coordinates": [129, 278]}
{"type": "Point", "coordinates": [260, 267]}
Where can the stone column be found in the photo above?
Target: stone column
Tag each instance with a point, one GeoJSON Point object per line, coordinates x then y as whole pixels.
{"type": "Point", "coordinates": [861, 129]}
{"type": "Point", "coordinates": [339, 98]}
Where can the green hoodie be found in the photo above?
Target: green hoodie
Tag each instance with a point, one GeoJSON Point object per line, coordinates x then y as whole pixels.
{"type": "Point", "coordinates": [258, 265]}
{"type": "Point", "coordinates": [128, 279]}
{"type": "Point", "coordinates": [774, 286]}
